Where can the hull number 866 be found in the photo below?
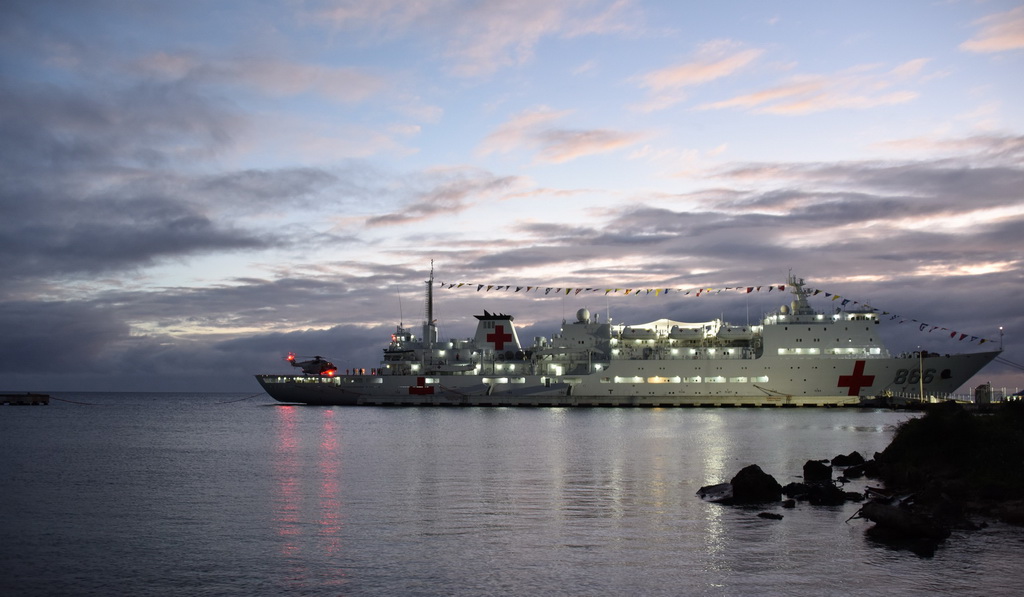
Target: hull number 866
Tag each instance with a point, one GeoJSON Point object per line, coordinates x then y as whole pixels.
{"type": "Point", "coordinates": [912, 376]}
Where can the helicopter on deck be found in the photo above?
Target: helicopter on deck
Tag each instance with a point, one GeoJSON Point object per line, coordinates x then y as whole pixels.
{"type": "Point", "coordinates": [314, 366]}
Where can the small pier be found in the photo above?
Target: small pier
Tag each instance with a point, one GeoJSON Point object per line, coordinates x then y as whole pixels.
{"type": "Point", "coordinates": [28, 398]}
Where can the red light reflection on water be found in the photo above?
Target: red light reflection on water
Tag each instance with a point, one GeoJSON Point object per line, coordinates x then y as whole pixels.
{"type": "Point", "coordinates": [287, 474]}
{"type": "Point", "coordinates": [308, 492]}
{"type": "Point", "coordinates": [329, 466]}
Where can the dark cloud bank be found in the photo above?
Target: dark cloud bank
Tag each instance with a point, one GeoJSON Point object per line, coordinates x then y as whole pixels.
{"type": "Point", "coordinates": [61, 235]}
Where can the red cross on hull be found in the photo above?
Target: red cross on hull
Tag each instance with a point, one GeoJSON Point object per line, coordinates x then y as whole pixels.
{"type": "Point", "coordinates": [421, 388]}
{"type": "Point", "coordinates": [499, 337]}
{"type": "Point", "coordinates": [856, 381]}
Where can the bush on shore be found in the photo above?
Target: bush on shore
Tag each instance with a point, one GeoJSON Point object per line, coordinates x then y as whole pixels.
{"type": "Point", "coordinates": [968, 456]}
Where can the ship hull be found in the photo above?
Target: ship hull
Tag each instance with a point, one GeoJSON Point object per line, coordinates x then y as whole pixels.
{"type": "Point", "coordinates": [767, 381]}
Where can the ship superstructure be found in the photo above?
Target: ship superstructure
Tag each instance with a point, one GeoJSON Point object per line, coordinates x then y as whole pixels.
{"type": "Point", "coordinates": [796, 356]}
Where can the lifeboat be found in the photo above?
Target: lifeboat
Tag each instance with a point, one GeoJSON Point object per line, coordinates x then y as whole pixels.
{"type": "Point", "coordinates": [678, 333]}
{"type": "Point", "coordinates": [639, 334]}
{"type": "Point", "coordinates": [735, 332]}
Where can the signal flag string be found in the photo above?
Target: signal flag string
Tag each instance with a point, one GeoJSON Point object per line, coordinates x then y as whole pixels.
{"type": "Point", "coordinates": [703, 291]}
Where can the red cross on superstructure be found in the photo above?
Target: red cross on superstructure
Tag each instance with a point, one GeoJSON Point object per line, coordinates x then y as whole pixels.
{"type": "Point", "coordinates": [856, 381]}
{"type": "Point", "coordinates": [499, 337]}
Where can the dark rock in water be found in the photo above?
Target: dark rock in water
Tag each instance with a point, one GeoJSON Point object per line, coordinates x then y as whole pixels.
{"type": "Point", "coordinates": [753, 486]}
{"type": "Point", "coordinates": [924, 548]}
{"type": "Point", "coordinates": [1011, 512]}
{"type": "Point", "coordinates": [721, 493]}
{"type": "Point", "coordinates": [796, 490]}
{"type": "Point", "coordinates": [904, 523]}
{"type": "Point", "coordinates": [820, 493]}
{"type": "Point", "coordinates": [825, 494]}
{"type": "Point", "coordinates": [770, 516]}
{"type": "Point", "coordinates": [854, 472]}
{"type": "Point", "coordinates": [789, 504]}
{"type": "Point", "coordinates": [851, 459]}
{"type": "Point", "coordinates": [816, 472]}
{"type": "Point", "coordinates": [750, 486]}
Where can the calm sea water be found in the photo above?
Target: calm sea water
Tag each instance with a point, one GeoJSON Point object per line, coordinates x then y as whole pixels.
{"type": "Point", "coordinates": [220, 494]}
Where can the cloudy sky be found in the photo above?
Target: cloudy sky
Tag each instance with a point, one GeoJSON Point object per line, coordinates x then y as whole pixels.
{"type": "Point", "coordinates": [190, 190]}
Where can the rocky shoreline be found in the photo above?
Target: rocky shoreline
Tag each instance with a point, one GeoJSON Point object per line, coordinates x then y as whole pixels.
{"type": "Point", "coordinates": [940, 472]}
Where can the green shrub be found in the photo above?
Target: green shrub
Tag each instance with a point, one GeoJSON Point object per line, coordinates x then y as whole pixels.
{"type": "Point", "coordinates": [979, 453]}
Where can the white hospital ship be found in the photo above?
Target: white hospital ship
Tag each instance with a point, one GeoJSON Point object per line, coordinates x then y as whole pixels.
{"type": "Point", "coordinates": [796, 356]}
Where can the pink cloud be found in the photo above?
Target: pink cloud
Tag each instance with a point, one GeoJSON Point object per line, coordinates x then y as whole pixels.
{"type": "Point", "coordinates": [1000, 32]}
{"type": "Point", "coordinates": [714, 60]}
{"type": "Point", "coordinates": [560, 145]}
{"type": "Point", "coordinates": [535, 130]}
{"type": "Point", "coordinates": [448, 192]}
{"type": "Point", "coordinates": [519, 130]}
{"type": "Point", "coordinates": [479, 38]}
{"type": "Point", "coordinates": [856, 88]}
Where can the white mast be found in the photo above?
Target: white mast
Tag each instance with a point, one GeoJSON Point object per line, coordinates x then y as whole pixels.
{"type": "Point", "coordinates": [429, 329]}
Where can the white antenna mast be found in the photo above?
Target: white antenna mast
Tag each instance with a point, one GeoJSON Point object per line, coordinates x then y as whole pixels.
{"type": "Point", "coordinates": [401, 316]}
{"type": "Point", "coordinates": [429, 329]}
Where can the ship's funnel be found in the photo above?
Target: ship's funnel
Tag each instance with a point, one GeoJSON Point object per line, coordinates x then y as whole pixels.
{"type": "Point", "coordinates": [496, 332]}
